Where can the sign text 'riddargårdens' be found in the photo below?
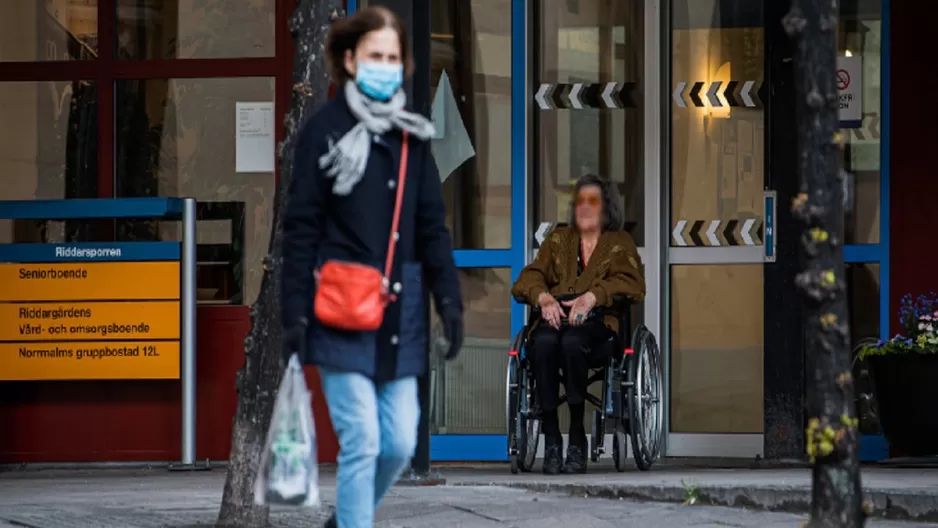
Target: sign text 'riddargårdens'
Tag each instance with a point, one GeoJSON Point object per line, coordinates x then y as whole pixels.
{"type": "Point", "coordinates": [89, 320]}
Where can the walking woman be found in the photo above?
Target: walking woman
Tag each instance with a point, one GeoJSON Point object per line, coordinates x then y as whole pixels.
{"type": "Point", "coordinates": [364, 227]}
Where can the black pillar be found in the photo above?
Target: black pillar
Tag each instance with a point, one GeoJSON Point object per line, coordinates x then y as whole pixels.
{"type": "Point", "coordinates": [420, 99]}
{"type": "Point", "coordinates": [784, 362]}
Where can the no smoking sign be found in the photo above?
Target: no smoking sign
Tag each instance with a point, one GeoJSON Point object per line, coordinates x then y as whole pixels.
{"type": "Point", "coordinates": [843, 79]}
{"type": "Point", "coordinates": [849, 81]}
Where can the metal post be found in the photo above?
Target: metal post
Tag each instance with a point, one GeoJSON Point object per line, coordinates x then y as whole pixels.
{"type": "Point", "coordinates": [187, 267]}
{"type": "Point", "coordinates": [188, 330]}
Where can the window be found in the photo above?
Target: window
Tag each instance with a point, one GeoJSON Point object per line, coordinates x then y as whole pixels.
{"type": "Point", "coordinates": [178, 137]}
{"type": "Point", "coordinates": [48, 30]}
{"type": "Point", "coordinates": [50, 154]}
{"type": "Point", "coordinates": [859, 39]}
{"type": "Point", "coordinates": [588, 70]}
{"type": "Point", "coordinates": [186, 29]}
{"type": "Point", "coordinates": [101, 112]}
{"type": "Point", "coordinates": [471, 94]}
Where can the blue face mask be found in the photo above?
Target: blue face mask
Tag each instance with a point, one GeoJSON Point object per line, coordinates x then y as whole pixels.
{"type": "Point", "coordinates": [379, 80]}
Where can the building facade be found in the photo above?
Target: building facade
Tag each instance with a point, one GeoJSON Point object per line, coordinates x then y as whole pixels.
{"type": "Point", "coordinates": [688, 105]}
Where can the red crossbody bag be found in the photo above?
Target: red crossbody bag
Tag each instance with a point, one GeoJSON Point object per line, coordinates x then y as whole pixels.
{"type": "Point", "coordinates": [352, 296]}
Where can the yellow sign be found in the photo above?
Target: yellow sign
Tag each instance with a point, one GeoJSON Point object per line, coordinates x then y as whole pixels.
{"type": "Point", "coordinates": [89, 321]}
{"type": "Point", "coordinates": [89, 360]}
{"type": "Point", "coordinates": [91, 281]}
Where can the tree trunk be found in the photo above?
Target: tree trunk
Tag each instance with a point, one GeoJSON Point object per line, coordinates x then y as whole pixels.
{"type": "Point", "coordinates": [259, 379]}
{"type": "Point", "coordinates": [832, 436]}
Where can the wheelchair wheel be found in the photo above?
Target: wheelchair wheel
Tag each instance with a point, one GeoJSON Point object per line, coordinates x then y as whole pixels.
{"type": "Point", "coordinates": [524, 427]}
{"type": "Point", "coordinates": [511, 410]}
{"type": "Point", "coordinates": [646, 405]}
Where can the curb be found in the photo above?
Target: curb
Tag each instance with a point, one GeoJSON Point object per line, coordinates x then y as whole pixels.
{"type": "Point", "coordinates": [887, 504]}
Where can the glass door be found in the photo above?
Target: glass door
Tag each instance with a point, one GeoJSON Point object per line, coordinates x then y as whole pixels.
{"type": "Point", "coordinates": [595, 110]}
{"type": "Point", "coordinates": [477, 105]}
{"type": "Point", "coordinates": [717, 223]}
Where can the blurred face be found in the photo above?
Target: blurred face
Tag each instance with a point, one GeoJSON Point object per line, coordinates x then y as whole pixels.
{"type": "Point", "coordinates": [589, 208]}
{"type": "Point", "coordinates": [381, 46]}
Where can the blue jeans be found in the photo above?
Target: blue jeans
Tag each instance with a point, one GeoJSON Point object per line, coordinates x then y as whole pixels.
{"type": "Point", "coordinates": [377, 429]}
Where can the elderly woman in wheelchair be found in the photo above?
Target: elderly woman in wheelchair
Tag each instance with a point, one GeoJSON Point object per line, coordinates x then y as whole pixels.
{"type": "Point", "coordinates": [576, 286]}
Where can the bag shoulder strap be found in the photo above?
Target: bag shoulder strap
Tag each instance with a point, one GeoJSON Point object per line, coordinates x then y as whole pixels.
{"type": "Point", "coordinates": [395, 222]}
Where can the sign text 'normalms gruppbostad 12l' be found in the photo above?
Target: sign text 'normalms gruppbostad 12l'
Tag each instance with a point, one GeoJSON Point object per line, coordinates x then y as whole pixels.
{"type": "Point", "coordinates": [87, 318]}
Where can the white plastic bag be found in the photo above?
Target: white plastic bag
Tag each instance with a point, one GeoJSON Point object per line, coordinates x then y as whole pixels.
{"type": "Point", "coordinates": [288, 472]}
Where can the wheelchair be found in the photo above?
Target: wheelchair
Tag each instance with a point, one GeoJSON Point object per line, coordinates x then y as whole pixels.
{"type": "Point", "coordinates": [632, 381]}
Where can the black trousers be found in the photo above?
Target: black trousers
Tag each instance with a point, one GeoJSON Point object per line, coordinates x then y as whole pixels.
{"type": "Point", "coordinates": [573, 349]}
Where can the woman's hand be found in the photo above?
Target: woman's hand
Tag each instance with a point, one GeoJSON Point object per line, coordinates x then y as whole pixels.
{"type": "Point", "coordinates": [580, 308]}
{"type": "Point", "coordinates": [550, 309]}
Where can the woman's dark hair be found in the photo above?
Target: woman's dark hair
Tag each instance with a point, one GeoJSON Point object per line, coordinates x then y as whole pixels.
{"type": "Point", "coordinates": [613, 216]}
{"type": "Point", "coordinates": [346, 33]}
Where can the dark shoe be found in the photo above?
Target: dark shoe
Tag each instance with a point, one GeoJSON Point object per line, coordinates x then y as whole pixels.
{"type": "Point", "coordinates": [576, 459]}
{"type": "Point", "coordinates": [553, 458]}
{"type": "Point", "coordinates": [331, 523]}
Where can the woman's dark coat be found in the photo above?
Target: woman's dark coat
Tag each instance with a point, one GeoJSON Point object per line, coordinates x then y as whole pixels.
{"type": "Point", "coordinates": [319, 226]}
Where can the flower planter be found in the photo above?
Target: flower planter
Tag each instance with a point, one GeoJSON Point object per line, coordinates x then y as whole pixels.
{"type": "Point", "coordinates": [906, 390]}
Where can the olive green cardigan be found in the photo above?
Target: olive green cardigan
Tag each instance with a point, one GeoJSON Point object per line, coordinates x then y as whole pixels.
{"type": "Point", "coordinates": [614, 269]}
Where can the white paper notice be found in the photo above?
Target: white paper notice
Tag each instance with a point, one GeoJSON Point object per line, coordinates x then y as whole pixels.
{"type": "Point", "coordinates": [254, 144]}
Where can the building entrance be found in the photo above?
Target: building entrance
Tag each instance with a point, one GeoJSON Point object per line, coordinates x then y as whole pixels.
{"type": "Point", "coordinates": [688, 106]}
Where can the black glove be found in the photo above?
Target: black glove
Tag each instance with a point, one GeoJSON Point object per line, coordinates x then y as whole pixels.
{"type": "Point", "coordinates": [294, 340]}
{"type": "Point", "coordinates": [451, 315]}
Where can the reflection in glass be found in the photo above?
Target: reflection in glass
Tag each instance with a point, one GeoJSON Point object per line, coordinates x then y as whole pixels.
{"type": "Point", "coordinates": [860, 35]}
{"type": "Point", "coordinates": [717, 348]}
{"type": "Point", "coordinates": [194, 29]}
{"type": "Point", "coordinates": [597, 43]}
{"type": "Point", "coordinates": [48, 30]}
{"type": "Point", "coordinates": [469, 392]}
{"type": "Point", "coordinates": [717, 150]}
{"type": "Point", "coordinates": [863, 298]}
{"type": "Point", "coordinates": [177, 137]}
{"type": "Point", "coordinates": [51, 152]}
{"type": "Point", "coordinates": [471, 85]}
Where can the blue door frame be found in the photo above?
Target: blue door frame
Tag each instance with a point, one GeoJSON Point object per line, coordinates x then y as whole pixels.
{"type": "Point", "coordinates": [874, 447]}
{"type": "Point", "coordinates": [493, 448]}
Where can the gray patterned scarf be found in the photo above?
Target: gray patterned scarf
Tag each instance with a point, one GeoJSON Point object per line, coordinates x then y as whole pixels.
{"type": "Point", "coordinates": [348, 157]}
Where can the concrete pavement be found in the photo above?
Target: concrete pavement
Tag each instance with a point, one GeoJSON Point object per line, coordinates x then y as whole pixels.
{"type": "Point", "coordinates": [900, 493]}
{"type": "Point", "coordinates": [483, 497]}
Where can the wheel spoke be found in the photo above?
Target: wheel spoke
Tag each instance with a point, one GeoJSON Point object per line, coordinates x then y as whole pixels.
{"type": "Point", "coordinates": [652, 415]}
{"type": "Point", "coordinates": [642, 394]}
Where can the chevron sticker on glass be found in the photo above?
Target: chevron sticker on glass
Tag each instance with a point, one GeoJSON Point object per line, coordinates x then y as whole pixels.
{"type": "Point", "coordinates": [746, 93]}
